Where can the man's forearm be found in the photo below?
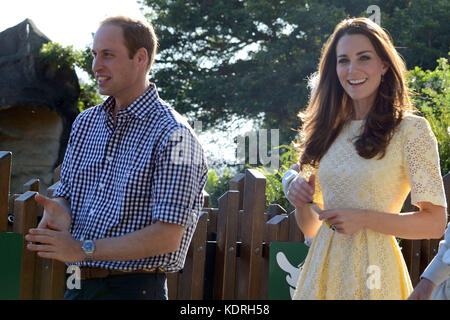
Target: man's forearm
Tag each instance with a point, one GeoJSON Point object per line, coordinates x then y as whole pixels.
{"type": "Point", "coordinates": [158, 238]}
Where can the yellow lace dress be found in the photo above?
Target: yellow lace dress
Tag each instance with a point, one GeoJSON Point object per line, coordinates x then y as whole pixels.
{"type": "Point", "coordinates": [368, 264]}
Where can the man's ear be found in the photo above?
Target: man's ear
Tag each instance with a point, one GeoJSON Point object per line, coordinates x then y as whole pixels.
{"type": "Point", "coordinates": [142, 56]}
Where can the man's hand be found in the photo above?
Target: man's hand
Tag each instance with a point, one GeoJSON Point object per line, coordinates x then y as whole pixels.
{"type": "Point", "coordinates": [423, 290]}
{"type": "Point", "coordinates": [55, 244]}
{"type": "Point", "coordinates": [56, 213]}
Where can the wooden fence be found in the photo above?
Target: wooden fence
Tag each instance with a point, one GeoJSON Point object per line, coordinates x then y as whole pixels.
{"type": "Point", "coordinates": [228, 257]}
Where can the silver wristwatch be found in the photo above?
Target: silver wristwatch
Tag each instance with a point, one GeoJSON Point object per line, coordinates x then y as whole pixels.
{"type": "Point", "coordinates": [88, 248]}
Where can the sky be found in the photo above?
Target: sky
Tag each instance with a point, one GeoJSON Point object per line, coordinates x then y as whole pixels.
{"type": "Point", "coordinates": [68, 22]}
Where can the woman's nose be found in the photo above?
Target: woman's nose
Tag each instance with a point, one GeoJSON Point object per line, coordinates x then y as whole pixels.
{"type": "Point", "coordinates": [351, 66]}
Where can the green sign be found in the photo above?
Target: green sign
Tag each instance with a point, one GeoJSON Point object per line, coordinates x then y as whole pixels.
{"type": "Point", "coordinates": [284, 261]}
{"type": "Point", "coordinates": [10, 265]}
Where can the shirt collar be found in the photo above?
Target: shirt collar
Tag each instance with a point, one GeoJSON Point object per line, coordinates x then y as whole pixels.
{"type": "Point", "coordinates": [140, 107]}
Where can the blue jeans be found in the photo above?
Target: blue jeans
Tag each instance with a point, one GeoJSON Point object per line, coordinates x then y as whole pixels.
{"type": "Point", "coordinates": [121, 287]}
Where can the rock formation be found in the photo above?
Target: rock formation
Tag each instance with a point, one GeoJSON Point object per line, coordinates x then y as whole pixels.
{"type": "Point", "coordinates": [38, 103]}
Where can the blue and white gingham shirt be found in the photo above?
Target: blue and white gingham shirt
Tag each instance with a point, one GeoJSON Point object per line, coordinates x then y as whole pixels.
{"type": "Point", "coordinates": [118, 180]}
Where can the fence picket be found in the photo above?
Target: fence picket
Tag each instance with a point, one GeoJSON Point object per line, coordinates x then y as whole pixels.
{"type": "Point", "coordinates": [226, 246]}
{"type": "Point", "coordinates": [190, 281]}
{"type": "Point", "coordinates": [252, 224]}
{"type": "Point", "coordinates": [25, 218]}
{"type": "Point", "coordinates": [5, 176]}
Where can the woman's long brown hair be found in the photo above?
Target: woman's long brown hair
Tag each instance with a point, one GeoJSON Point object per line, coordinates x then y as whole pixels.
{"type": "Point", "coordinates": [330, 108]}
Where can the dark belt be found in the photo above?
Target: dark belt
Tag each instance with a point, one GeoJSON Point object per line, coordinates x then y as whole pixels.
{"type": "Point", "coordinates": [92, 273]}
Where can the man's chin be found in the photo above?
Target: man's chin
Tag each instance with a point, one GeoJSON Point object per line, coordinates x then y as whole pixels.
{"type": "Point", "coordinates": [104, 91]}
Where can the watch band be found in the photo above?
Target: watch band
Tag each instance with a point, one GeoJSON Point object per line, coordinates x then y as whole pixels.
{"type": "Point", "coordinates": [88, 248]}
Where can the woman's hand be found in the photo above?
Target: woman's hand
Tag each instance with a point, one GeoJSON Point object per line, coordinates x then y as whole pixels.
{"type": "Point", "coordinates": [301, 192]}
{"type": "Point", "coordinates": [345, 221]}
{"type": "Point", "coordinates": [423, 290]}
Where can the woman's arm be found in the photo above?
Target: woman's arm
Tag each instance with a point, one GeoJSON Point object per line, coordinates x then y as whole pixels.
{"type": "Point", "coordinates": [427, 223]}
{"type": "Point", "coordinates": [307, 220]}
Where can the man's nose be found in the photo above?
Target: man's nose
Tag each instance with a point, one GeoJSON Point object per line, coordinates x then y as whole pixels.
{"type": "Point", "coordinates": [96, 64]}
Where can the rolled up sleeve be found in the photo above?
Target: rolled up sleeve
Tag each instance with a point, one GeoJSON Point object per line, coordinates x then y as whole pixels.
{"type": "Point", "coordinates": [179, 178]}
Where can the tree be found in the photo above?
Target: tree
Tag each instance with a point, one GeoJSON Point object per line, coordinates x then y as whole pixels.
{"type": "Point", "coordinates": [432, 98]}
{"type": "Point", "coordinates": [250, 58]}
{"type": "Point", "coordinates": [245, 58]}
{"type": "Point", "coordinates": [71, 58]}
{"type": "Point", "coordinates": [420, 31]}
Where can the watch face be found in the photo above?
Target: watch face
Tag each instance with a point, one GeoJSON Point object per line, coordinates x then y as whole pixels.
{"type": "Point", "coordinates": [88, 245]}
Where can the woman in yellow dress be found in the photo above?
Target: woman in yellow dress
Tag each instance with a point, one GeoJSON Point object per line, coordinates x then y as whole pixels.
{"type": "Point", "coordinates": [362, 152]}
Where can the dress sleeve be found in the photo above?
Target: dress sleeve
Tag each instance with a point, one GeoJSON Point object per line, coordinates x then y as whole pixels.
{"type": "Point", "coordinates": [421, 162]}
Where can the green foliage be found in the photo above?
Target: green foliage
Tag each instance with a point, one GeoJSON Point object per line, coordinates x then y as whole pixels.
{"type": "Point", "coordinates": [217, 185]}
{"type": "Point", "coordinates": [54, 53]}
{"type": "Point", "coordinates": [420, 30]}
{"type": "Point", "coordinates": [89, 96]}
{"type": "Point", "coordinates": [274, 187]}
{"type": "Point", "coordinates": [432, 99]}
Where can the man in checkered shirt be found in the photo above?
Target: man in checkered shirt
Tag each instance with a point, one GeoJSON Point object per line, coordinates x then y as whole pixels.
{"type": "Point", "coordinates": [131, 181]}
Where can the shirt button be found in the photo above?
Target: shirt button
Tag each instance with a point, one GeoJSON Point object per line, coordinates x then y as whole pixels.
{"type": "Point", "coordinates": [91, 212]}
{"type": "Point", "coordinates": [101, 186]}
{"type": "Point", "coordinates": [109, 159]}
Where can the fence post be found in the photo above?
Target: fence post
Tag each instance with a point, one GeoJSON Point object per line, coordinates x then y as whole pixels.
{"type": "Point", "coordinates": [25, 218]}
{"type": "Point", "coordinates": [295, 234]}
{"type": "Point", "coordinates": [252, 226]}
{"type": "Point", "coordinates": [226, 246]}
{"type": "Point", "coordinates": [237, 184]}
{"type": "Point", "coordinates": [190, 281]}
{"type": "Point", "coordinates": [172, 285]}
{"type": "Point", "coordinates": [276, 229]}
{"type": "Point", "coordinates": [52, 272]}
{"type": "Point", "coordinates": [5, 176]}
{"type": "Point", "coordinates": [31, 185]}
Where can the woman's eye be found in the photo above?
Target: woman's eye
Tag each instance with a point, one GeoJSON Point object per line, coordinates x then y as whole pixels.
{"type": "Point", "coordinates": [365, 58]}
{"type": "Point", "coordinates": [342, 60]}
